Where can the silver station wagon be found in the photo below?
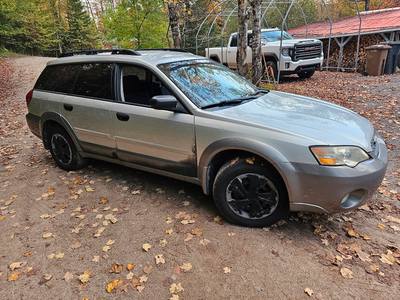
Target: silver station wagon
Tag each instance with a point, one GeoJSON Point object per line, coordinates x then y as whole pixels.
{"type": "Point", "coordinates": [259, 153]}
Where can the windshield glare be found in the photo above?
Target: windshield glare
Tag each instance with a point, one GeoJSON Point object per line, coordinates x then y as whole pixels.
{"type": "Point", "coordinates": [205, 83]}
{"type": "Point", "coordinates": [273, 36]}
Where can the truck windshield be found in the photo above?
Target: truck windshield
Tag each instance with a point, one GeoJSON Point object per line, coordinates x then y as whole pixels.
{"type": "Point", "coordinates": [206, 83]}
{"type": "Point", "coordinates": [273, 36]}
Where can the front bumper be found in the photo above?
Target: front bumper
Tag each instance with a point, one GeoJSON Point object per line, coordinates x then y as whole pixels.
{"type": "Point", "coordinates": [287, 66]}
{"type": "Point", "coordinates": [335, 189]}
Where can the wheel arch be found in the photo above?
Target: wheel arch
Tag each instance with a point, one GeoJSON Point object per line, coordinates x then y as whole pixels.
{"type": "Point", "coordinates": [219, 152]}
{"type": "Point", "coordinates": [215, 57]}
{"type": "Point", "coordinates": [51, 119]}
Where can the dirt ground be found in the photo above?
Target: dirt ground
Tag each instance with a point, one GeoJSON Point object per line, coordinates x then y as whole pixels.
{"type": "Point", "coordinates": [65, 235]}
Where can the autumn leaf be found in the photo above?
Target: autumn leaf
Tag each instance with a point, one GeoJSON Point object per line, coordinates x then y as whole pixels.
{"type": "Point", "coordinates": [110, 242]}
{"type": "Point", "coordinates": [346, 273]}
{"type": "Point", "coordinates": [103, 201]}
{"type": "Point", "coordinates": [111, 285]}
{"type": "Point", "coordinates": [106, 248]}
{"type": "Point", "coordinates": [176, 288]}
{"type": "Point", "coordinates": [218, 220]}
{"type": "Point", "coordinates": [227, 270]}
{"type": "Point", "coordinates": [13, 276]}
{"type": "Point", "coordinates": [146, 247]}
{"type": "Point", "coordinates": [47, 235]}
{"type": "Point", "coordinates": [197, 231]}
{"type": "Point", "coordinates": [169, 231]}
{"type": "Point", "coordinates": [388, 258]}
{"type": "Point", "coordinates": [96, 258]}
{"type": "Point", "coordinates": [177, 269]}
{"type": "Point", "coordinates": [186, 267]}
{"type": "Point", "coordinates": [204, 242]}
{"type": "Point", "coordinates": [17, 265]}
{"type": "Point", "coordinates": [160, 259]}
{"type": "Point", "coordinates": [147, 269]}
{"type": "Point", "coordinates": [308, 291]}
{"type": "Point", "coordinates": [68, 276]}
{"type": "Point", "coordinates": [84, 278]}
{"type": "Point", "coordinates": [116, 268]}
{"type": "Point", "coordinates": [130, 266]}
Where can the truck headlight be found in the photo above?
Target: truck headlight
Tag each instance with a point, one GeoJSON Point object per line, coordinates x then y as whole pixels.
{"type": "Point", "coordinates": [339, 156]}
{"type": "Point", "coordinates": [286, 51]}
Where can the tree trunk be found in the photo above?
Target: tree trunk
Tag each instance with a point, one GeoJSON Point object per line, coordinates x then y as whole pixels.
{"type": "Point", "coordinates": [256, 68]}
{"type": "Point", "coordinates": [174, 24]}
{"type": "Point", "coordinates": [367, 5]}
{"type": "Point", "coordinates": [241, 54]}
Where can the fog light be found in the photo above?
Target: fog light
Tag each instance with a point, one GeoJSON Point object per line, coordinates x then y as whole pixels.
{"type": "Point", "coordinates": [287, 65]}
{"type": "Point", "coordinates": [352, 200]}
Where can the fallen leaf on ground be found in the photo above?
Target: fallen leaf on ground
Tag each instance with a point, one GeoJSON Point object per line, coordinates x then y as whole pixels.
{"type": "Point", "coordinates": [381, 226]}
{"type": "Point", "coordinates": [13, 276]}
{"type": "Point", "coordinates": [48, 235]}
{"type": "Point", "coordinates": [96, 258]}
{"type": "Point", "coordinates": [169, 231]}
{"type": "Point", "coordinates": [197, 231]}
{"type": "Point", "coordinates": [388, 258]}
{"type": "Point", "coordinates": [116, 268]}
{"type": "Point", "coordinates": [346, 273]}
{"type": "Point", "coordinates": [177, 269]}
{"type": "Point", "coordinates": [186, 267]}
{"type": "Point", "coordinates": [17, 265]}
{"type": "Point", "coordinates": [68, 276]}
{"type": "Point", "coordinates": [106, 248]}
{"type": "Point", "coordinates": [227, 270]}
{"type": "Point", "coordinates": [160, 259]}
{"type": "Point", "coordinates": [146, 247]}
{"type": "Point", "coordinates": [204, 242]}
{"type": "Point", "coordinates": [176, 288]}
{"type": "Point", "coordinates": [111, 285]}
{"type": "Point", "coordinates": [110, 242]}
{"type": "Point", "coordinates": [130, 266]}
{"type": "Point", "coordinates": [147, 269]}
{"type": "Point", "coordinates": [308, 291]}
{"type": "Point", "coordinates": [129, 276]}
{"type": "Point", "coordinates": [218, 220]}
{"type": "Point", "coordinates": [84, 278]}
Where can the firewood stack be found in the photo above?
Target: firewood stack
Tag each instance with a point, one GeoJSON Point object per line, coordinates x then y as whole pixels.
{"type": "Point", "coordinates": [349, 52]}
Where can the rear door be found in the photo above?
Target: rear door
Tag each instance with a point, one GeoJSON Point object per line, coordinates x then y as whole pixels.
{"type": "Point", "coordinates": [145, 136]}
{"type": "Point", "coordinates": [88, 108]}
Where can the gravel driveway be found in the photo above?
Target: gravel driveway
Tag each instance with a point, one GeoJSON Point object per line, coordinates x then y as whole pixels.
{"type": "Point", "coordinates": [73, 235]}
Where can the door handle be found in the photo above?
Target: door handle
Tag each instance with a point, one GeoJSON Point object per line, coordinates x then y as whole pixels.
{"type": "Point", "coordinates": [68, 107]}
{"type": "Point", "coordinates": [122, 117]}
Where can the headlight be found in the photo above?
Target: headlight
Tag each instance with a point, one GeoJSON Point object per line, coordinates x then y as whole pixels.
{"type": "Point", "coordinates": [286, 51]}
{"type": "Point", "coordinates": [339, 156]}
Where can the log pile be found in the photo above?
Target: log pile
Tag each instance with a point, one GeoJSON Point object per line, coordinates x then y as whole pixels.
{"type": "Point", "coordinates": [350, 51]}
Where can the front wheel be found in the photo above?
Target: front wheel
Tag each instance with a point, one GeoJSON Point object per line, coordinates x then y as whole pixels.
{"type": "Point", "coordinates": [63, 150]}
{"type": "Point", "coordinates": [270, 71]}
{"type": "Point", "coordinates": [249, 194]}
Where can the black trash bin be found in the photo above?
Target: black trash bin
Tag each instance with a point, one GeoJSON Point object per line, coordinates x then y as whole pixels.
{"type": "Point", "coordinates": [392, 60]}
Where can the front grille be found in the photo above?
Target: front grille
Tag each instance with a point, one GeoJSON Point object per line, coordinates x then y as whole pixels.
{"type": "Point", "coordinates": [307, 51]}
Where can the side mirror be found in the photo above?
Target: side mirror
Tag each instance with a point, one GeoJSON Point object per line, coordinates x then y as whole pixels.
{"type": "Point", "coordinates": [166, 102]}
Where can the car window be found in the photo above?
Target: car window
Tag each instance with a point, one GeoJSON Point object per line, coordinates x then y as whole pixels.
{"type": "Point", "coordinates": [95, 80]}
{"type": "Point", "coordinates": [139, 85]}
{"type": "Point", "coordinates": [58, 78]}
{"type": "Point", "coordinates": [205, 83]}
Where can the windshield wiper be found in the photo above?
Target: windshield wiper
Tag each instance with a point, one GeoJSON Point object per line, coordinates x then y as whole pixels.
{"type": "Point", "coordinates": [224, 103]}
{"type": "Point", "coordinates": [260, 91]}
{"type": "Point", "coordinates": [251, 96]}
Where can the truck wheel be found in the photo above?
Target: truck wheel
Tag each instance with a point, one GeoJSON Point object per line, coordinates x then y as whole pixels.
{"type": "Point", "coordinates": [306, 74]}
{"type": "Point", "coordinates": [63, 150]}
{"type": "Point", "coordinates": [250, 194]}
{"type": "Point", "coordinates": [271, 73]}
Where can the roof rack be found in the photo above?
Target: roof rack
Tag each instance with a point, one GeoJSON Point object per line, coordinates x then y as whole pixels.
{"type": "Point", "coordinates": [164, 49]}
{"type": "Point", "coordinates": [97, 51]}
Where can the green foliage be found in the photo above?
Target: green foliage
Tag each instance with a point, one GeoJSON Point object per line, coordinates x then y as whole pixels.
{"type": "Point", "coordinates": [37, 27]}
{"type": "Point", "coordinates": [136, 24]}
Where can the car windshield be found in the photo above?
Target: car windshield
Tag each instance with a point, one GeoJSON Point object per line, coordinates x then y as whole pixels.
{"type": "Point", "coordinates": [206, 83]}
{"type": "Point", "coordinates": [273, 36]}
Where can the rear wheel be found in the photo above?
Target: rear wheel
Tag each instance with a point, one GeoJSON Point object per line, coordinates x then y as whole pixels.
{"type": "Point", "coordinates": [63, 150]}
{"type": "Point", "coordinates": [249, 194]}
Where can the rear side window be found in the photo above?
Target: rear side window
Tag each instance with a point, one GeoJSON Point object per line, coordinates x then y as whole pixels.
{"type": "Point", "coordinates": [59, 78]}
{"type": "Point", "coordinates": [95, 80]}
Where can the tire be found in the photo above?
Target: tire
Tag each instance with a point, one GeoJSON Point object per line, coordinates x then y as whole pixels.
{"type": "Point", "coordinates": [249, 194]}
{"type": "Point", "coordinates": [272, 70]}
{"type": "Point", "coordinates": [63, 150]}
{"type": "Point", "coordinates": [306, 74]}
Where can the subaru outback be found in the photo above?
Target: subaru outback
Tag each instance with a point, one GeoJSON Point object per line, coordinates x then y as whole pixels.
{"type": "Point", "coordinates": [259, 153]}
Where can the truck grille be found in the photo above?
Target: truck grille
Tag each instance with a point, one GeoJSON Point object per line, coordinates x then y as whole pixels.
{"type": "Point", "coordinates": [307, 51]}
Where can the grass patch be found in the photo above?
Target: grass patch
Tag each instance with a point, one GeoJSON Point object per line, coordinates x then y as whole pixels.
{"type": "Point", "coordinates": [4, 53]}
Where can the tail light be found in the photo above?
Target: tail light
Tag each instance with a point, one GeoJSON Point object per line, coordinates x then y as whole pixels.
{"type": "Point", "coordinates": [29, 97]}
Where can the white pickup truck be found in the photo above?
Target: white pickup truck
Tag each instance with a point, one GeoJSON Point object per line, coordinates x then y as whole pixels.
{"type": "Point", "coordinates": [299, 56]}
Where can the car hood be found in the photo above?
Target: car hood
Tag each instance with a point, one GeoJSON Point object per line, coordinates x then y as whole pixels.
{"type": "Point", "coordinates": [319, 121]}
